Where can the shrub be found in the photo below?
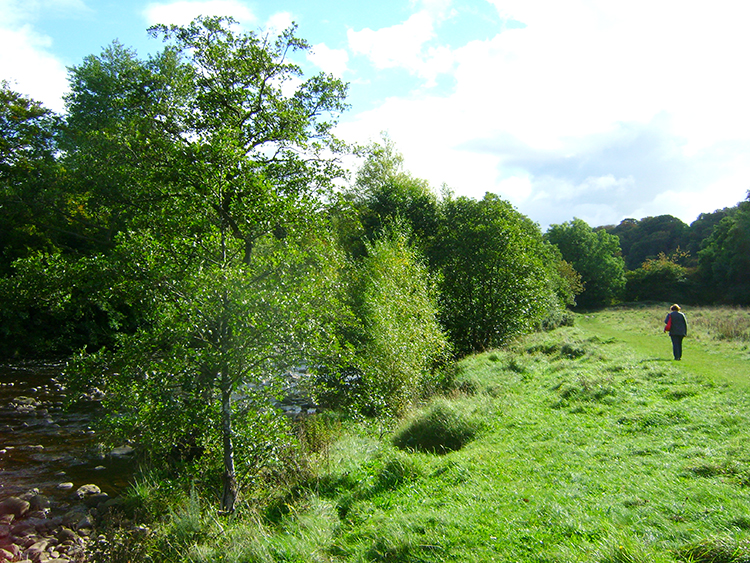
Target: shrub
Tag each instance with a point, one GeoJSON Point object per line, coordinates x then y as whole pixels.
{"type": "Point", "coordinates": [440, 428]}
{"type": "Point", "coordinates": [401, 340]}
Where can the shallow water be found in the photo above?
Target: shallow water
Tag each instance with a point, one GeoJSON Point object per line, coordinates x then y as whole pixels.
{"type": "Point", "coordinates": [42, 444]}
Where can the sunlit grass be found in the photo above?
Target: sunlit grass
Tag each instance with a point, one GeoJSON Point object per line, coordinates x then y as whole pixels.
{"type": "Point", "coordinates": [591, 448]}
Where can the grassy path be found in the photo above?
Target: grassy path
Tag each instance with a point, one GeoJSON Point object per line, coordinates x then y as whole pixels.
{"type": "Point", "coordinates": [642, 331]}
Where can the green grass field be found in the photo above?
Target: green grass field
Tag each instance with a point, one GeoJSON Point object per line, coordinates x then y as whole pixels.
{"type": "Point", "coordinates": [589, 444]}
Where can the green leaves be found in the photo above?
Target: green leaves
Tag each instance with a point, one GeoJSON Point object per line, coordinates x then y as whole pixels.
{"type": "Point", "coordinates": [495, 272]}
{"type": "Point", "coordinates": [206, 165]}
{"type": "Point", "coordinates": [596, 256]}
{"type": "Point", "coordinates": [396, 303]}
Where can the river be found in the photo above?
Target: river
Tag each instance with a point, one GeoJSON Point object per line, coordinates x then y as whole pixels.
{"type": "Point", "coordinates": [45, 446]}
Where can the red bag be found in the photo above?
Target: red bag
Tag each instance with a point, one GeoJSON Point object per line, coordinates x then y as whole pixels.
{"type": "Point", "coordinates": [668, 326]}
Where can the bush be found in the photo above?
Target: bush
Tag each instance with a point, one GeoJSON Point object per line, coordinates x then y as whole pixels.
{"type": "Point", "coordinates": [401, 340]}
{"type": "Point", "coordinates": [440, 428]}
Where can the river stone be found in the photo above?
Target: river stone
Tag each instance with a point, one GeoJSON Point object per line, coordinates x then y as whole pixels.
{"type": "Point", "coordinates": [86, 491]}
{"type": "Point", "coordinates": [14, 505]}
{"type": "Point", "coordinates": [95, 500]}
{"type": "Point", "coordinates": [7, 519]}
{"type": "Point", "coordinates": [65, 486]}
{"type": "Point", "coordinates": [36, 550]}
{"type": "Point", "coordinates": [85, 523]}
{"type": "Point", "coordinates": [66, 534]}
{"type": "Point", "coordinates": [30, 401]}
{"type": "Point", "coordinates": [72, 517]}
{"type": "Point", "coordinates": [122, 451]}
{"type": "Point", "coordinates": [38, 502]}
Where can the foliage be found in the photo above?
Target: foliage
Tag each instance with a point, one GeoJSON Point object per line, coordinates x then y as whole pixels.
{"type": "Point", "coordinates": [645, 239]}
{"type": "Point", "coordinates": [212, 174]}
{"type": "Point", "coordinates": [701, 229]}
{"type": "Point", "coordinates": [495, 272]}
{"type": "Point", "coordinates": [55, 304]}
{"type": "Point", "coordinates": [725, 258]}
{"type": "Point", "coordinates": [596, 256]}
{"type": "Point", "coordinates": [29, 174]}
{"type": "Point", "coordinates": [384, 192]}
{"type": "Point", "coordinates": [658, 279]}
{"type": "Point", "coordinates": [401, 340]}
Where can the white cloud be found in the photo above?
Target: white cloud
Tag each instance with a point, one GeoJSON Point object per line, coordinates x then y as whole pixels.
{"type": "Point", "coordinates": [599, 108]}
{"type": "Point", "coordinates": [26, 57]}
{"type": "Point", "coordinates": [405, 46]}
{"type": "Point", "coordinates": [279, 22]}
{"type": "Point", "coordinates": [332, 61]}
{"type": "Point", "coordinates": [30, 68]}
{"type": "Point", "coordinates": [183, 12]}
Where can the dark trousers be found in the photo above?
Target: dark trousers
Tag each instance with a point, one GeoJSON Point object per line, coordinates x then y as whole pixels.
{"type": "Point", "coordinates": [677, 345]}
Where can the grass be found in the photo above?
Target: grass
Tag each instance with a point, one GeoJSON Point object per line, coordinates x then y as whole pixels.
{"type": "Point", "coordinates": [585, 444]}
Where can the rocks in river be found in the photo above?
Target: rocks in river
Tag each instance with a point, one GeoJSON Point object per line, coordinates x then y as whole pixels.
{"type": "Point", "coordinates": [28, 534]}
{"type": "Point", "coordinates": [15, 506]}
{"type": "Point", "coordinates": [87, 491]}
{"type": "Point", "coordinates": [122, 451]}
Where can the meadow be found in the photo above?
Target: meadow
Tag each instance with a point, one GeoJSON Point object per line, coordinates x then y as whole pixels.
{"type": "Point", "coordinates": [583, 444]}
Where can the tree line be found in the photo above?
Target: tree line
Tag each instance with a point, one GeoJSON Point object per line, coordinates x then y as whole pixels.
{"type": "Point", "coordinates": [661, 258]}
{"type": "Point", "coordinates": [181, 234]}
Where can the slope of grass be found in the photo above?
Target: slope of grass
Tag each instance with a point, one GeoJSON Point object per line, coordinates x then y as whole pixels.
{"type": "Point", "coordinates": [586, 444]}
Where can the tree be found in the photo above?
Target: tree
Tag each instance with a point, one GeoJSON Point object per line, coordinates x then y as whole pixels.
{"type": "Point", "coordinates": [647, 238]}
{"type": "Point", "coordinates": [495, 272]}
{"type": "Point", "coordinates": [384, 192]}
{"type": "Point", "coordinates": [401, 339]}
{"type": "Point", "coordinates": [211, 160]}
{"type": "Point", "coordinates": [659, 279]}
{"type": "Point", "coordinates": [700, 230]}
{"type": "Point", "coordinates": [596, 256]}
{"type": "Point", "coordinates": [724, 262]}
{"type": "Point", "coordinates": [28, 171]}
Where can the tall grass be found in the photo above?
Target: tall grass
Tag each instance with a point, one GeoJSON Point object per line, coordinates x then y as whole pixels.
{"type": "Point", "coordinates": [723, 323]}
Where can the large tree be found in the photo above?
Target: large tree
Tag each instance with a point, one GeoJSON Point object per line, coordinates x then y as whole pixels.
{"type": "Point", "coordinates": [204, 168]}
{"type": "Point", "coordinates": [724, 268]}
{"type": "Point", "coordinates": [646, 239]}
{"type": "Point", "coordinates": [595, 255]}
{"type": "Point", "coordinates": [385, 192]}
{"type": "Point", "coordinates": [28, 172]}
{"type": "Point", "coordinates": [495, 272]}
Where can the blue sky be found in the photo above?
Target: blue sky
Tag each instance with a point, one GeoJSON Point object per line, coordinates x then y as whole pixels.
{"type": "Point", "coordinates": [567, 108]}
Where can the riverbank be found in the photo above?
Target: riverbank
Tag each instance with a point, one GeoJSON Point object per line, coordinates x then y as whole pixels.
{"type": "Point", "coordinates": [583, 447]}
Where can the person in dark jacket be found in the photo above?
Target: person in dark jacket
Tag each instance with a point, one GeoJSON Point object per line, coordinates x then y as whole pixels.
{"type": "Point", "coordinates": [676, 324]}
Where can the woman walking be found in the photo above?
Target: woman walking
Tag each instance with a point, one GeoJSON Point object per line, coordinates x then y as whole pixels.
{"type": "Point", "coordinates": [676, 324]}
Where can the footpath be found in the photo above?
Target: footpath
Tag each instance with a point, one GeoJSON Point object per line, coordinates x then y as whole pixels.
{"type": "Point", "coordinates": [718, 361]}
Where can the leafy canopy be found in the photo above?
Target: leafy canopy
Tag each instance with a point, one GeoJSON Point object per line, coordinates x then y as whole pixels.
{"type": "Point", "coordinates": [206, 166]}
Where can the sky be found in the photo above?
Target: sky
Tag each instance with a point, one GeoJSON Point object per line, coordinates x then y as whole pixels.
{"type": "Point", "coordinates": [588, 109]}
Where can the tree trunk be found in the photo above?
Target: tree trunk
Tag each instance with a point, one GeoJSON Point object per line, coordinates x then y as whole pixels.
{"type": "Point", "coordinates": [229, 496]}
